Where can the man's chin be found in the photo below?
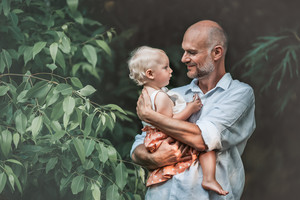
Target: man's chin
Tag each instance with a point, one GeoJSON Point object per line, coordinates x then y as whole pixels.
{"type": "Point", "coordinates": [191, 75]}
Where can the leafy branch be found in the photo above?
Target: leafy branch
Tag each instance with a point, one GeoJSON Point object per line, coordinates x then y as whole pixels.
{"type": "Point", "coordinates": [277, 58]}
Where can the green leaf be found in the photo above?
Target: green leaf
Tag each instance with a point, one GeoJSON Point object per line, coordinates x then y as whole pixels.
{"type": "Point", "coordinates": [89, 146]}
{"type": "Point", "coordinates": [22, 97]}
{"type": "Point", "coordinates": [87, 90]}
{"type": "Point", "coordinates": [141, 173]}
{"type": "Point", "coordinates": [95, 191]}
{"type": "Point", "coordinates": [16, 139]}
{"type": "Point", "coordinates": [11, 181]}
{"type": "Point", "coordinates": [66, 120]}
{"type": "Point", "coordinates": [37, 48]}
{"type": "Point", "coordinates": [90, 54]}
{"type": "Point", "coordinates": [64, 182]}
{"type": "Point", "coordinates": [88, 124]}
{"type": "Point", "coordinates": [65, 44]}
{"type": "Point", "coordinates": [75, 68]}
{"type": "Point", "coordinates": [39, 90]}
{"type": "Point", "coordinates": [21, 122]}
{"type": "Point", "coordinates": [68, 105]}
{"type": "Point", "coordinates": [17, 183]}
{"type": "Point", "coordinates": [112, 193]}
{"type": "Point", "coordinates": [3, 90]}
{"type": "Point", "coordinates": [77, 16]}
{"type": "Point", "coordinates": [51, 164]}
{"type": "Point", "coordinates": [109, 122]}
{"type": "Point", "coordinates": [88, 164]}
{"type": "Point", "coordinates": [3, 179]}
{"type": "Point", "coordinates": [73, 4]}
{"type": "Point", "coordinates": [51, 66]}
{"type": "Point", "coordinates": [79, 116]}
{"type": "Point", "coordinates": [64, 89]}
{"type": "Point", "coordinates": [137, 197]}
{"type": "Point", "coordinates": [92, 70]}
{"type": "Point", "coordinates": [36, 125]}
{"type": "Point", "coordinates": [6, 7]}
{"type": "Point", "coordinates": [58, 135]}
{"type": "Point", "coordinates": [57, 111]}
{"type": "Point", "coordinates": [53, 51]}
{"type": "Point", "coordinates": [67, 163]}
{"type": "Point", "coordinates": [104, 46]}
{"type": "Point", "coordinates": [103, 153]}
{"type": "Point", "coordinates": [52, 97]}
{"type": "Point", "coordinates": [112, 154]}
{"type": "Point", "coordinates": [77, 184]}
{"type": "Point", "coordinates": [14, 19]}
{"type": "Point", "coordinates": [5, 142]}
{"type": "Point", "coordinates": [27, 54]}
{"type": "Point", "coordinates": [14, 161]}
{"type": "Point", "coordinates": [6, 59]}
{"type": "Point", "coordinates": [76, 82]}
{"type": "Point", "coordinates": [61, 60]}
{"type": "Point", "coordinates": [115, 107]}
{"type": "Point", "coordinates": [80, 149]}
{"type": "Point", "coordinates": [121, 175]}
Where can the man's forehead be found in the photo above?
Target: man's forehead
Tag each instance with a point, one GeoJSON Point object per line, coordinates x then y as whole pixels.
{"type": "Point", "coordinates": [193, 43]}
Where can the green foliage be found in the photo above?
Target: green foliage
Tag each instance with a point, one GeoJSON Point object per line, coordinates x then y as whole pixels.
{"type": "Point", "coordinates": [55, 141]}
{"type": "Point", "coordinates": [275, 57]}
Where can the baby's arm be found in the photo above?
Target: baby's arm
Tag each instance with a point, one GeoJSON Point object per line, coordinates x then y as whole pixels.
{"type": "Point", "coordinates": [163, 104]}
{"type": "Point", "coordinates": [190, 108]}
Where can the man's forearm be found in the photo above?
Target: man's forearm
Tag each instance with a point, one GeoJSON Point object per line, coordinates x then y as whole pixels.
{"type": "Point", "coordinates": [185, 132]}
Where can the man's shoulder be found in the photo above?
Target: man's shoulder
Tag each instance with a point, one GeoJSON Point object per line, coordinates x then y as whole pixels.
{"type": "Point", "coordinates": [237, 84]}
{"type": "Point", "coordinates": [239, 87]}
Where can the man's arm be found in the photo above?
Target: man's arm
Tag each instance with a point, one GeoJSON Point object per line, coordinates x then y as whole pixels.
{"type": "Point", "coordinates": [185, 132]}
{"type": "Point", "coordinates": [168, 153]}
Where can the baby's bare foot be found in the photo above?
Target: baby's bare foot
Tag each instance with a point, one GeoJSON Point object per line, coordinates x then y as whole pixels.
{"type": "Point", "coordinates": [214, 186]}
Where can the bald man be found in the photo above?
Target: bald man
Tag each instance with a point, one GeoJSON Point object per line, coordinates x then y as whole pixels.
{"type": "Point", "coordinates": [224, 124]}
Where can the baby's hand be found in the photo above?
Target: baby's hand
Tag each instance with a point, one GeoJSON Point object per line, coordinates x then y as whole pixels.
{"type": "Point", "coordinates": [196, 104]}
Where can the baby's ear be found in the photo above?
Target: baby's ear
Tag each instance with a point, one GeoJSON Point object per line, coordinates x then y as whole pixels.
{"type": "Point", "coordinates": [149, 74]}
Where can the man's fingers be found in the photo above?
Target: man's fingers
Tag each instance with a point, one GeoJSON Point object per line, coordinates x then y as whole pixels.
{"type": "Point", "coordinates": [178, 144]}
{"type": "Point", "coordinates": [185, 150]}
{"type": "Point", "coordinates": [169, 140]}
{"type": "Point", "coordinates": [185, 158]}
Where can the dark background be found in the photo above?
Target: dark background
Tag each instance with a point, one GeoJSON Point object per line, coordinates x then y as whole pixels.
{"type": "Point", "coordinates": [271, 157]}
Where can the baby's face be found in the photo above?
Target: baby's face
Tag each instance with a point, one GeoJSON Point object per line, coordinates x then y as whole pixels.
{"type": "Point", "coordinates": [162, 71]}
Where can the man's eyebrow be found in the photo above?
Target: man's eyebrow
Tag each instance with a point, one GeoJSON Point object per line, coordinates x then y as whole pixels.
{"type": "Point", "coordinates": [189, 49]}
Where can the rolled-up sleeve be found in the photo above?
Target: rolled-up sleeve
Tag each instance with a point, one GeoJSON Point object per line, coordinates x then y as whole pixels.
{"type": "Point", "coordinates": [139, 139]}
{"type": "Point", "coordinates": [210, 135]}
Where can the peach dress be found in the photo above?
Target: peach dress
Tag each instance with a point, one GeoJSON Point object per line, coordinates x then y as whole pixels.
{"type": "Point", "coordinates": [155, 137]}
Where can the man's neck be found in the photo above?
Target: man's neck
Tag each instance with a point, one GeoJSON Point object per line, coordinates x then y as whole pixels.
{"type": "Point", "coordinates": [209, 82]}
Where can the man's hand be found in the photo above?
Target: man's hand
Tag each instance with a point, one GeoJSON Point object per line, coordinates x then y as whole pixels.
{"type": "Point", "coordinates": [171, 152]}
{"type": "Point", "coordinates": [143, 105]}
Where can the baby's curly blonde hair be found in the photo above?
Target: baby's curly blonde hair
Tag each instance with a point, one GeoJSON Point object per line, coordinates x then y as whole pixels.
{"type": "Point", "coordinates": [142, 59]}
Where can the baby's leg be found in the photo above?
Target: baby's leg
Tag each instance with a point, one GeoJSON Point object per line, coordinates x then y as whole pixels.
{"type": "Point", "coordinates": [208, 163]}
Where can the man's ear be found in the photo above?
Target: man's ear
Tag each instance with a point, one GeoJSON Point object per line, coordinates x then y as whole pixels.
{"type": "Point", "coordinates": [217, 52]}
{"type": "Point", "coordinates": [149, 74]}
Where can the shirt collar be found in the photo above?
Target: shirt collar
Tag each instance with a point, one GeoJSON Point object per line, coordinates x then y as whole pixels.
{"type": "Point", "coordinates": [223, 83]}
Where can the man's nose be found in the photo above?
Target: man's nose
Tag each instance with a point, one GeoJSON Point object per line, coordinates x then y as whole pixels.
{"type": "Point", "coordinates": [185, 58]}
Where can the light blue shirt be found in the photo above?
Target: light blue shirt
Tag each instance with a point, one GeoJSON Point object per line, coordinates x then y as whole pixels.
{"type": "Point", "coordinates": [226, 121]}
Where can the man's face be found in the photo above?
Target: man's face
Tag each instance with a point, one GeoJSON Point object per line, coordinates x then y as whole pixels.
{"type": "Point", "coordinates": [197, 56]}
